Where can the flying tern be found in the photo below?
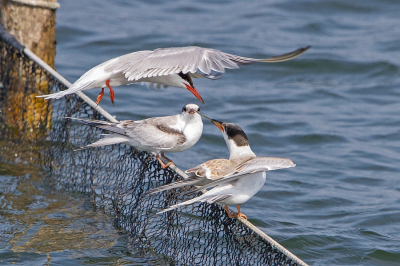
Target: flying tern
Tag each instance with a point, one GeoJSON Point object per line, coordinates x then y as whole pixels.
{"type": "Point", "coordinates": [176, 66]}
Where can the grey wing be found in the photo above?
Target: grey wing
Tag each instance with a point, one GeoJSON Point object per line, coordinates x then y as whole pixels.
{"type": "Point", "coordinates": [258, 164]}
{"type": "Point", "coordinates": [195, 175]}
{"type": "Point", "coordinates": [166, 61]}
{"type": "Point", "coordinates": [211, 170]}
{"type": "Point", "coordinates": [186, 182]}
{"type": "Point", "coordinates": [278, 58]}
{"type": "Point", "coordinates": [199, 175]}
{"type": "Point", "coordinates": [109, 126]}
{"type": "Point", "coordinates": [156, 132]}
{"type": "Point", "coordinates": [202, 198]}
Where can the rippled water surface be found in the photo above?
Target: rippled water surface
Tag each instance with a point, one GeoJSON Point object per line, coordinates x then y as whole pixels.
{"type": "Point", "coordinates": [334, 111]}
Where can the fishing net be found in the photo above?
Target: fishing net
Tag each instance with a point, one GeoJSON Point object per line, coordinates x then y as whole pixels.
{"type": "Point", "coordinates": [34, 132]}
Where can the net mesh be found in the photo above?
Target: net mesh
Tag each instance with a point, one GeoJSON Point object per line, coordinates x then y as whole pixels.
{"type": "Point", "coordinates": [34, 131]}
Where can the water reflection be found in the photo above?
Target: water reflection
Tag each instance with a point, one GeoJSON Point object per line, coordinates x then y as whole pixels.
{"type": "Point", "coordinates": [41, 225]}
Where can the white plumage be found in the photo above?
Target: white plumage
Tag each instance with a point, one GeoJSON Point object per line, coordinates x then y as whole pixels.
{"type": "Point", "coordinates": [233, 181]}
{"type": "Point", "coordinates": [175, 67]}
{"type": "Point", "coordinates": [166, 134]}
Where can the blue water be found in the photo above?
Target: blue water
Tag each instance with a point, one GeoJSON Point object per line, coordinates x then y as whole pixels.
{"type": "Point", "coordinates": [334, 110]}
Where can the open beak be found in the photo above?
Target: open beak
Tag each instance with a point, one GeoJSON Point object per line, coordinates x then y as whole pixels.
{"type": "Point", "coordinates": [215, 122]}
{"type": "Point", "coordinates": [195, 92]}
{"type": "Point", "coordinates": [192, 111]}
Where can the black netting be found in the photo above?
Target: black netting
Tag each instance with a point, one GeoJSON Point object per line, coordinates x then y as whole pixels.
{"type": "Point", "coordinates": [33, 131]}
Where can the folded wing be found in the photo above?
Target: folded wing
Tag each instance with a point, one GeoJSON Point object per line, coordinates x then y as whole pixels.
{"type": "Point", "coordinates": [258, 164]}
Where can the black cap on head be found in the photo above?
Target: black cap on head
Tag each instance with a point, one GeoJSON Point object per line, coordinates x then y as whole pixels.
{"type": "Point", "coordinates": [236, 133]}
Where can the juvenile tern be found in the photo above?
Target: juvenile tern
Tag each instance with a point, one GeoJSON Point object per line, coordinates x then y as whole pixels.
{"type": "Point", "coordinates": [234, 181]}
{"type": "Point", "coordinates": [175, 67]}
{"type": "Point", "coordinates": [158, 135]}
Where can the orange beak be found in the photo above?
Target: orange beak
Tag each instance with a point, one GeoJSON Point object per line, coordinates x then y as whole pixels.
{"type": "Point", "coordinates": [218, 124]}
{"type": "Point", "coordinates": [195, 92]}
{"type": "Point", "coordinates": [215, 122]}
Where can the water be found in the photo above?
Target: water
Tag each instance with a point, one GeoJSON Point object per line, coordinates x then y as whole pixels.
{"type": "Point", "coordinates": [334, 111]}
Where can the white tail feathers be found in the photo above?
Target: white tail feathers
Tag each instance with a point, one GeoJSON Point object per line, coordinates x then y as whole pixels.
{"type": "Point", "coordinates": [57, 95]}
{"type": "Point", "coordinates": [108, 140]}
{"type": "Point", "coordinates": [202, 198]}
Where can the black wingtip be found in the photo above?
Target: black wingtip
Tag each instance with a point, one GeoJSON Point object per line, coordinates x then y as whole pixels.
{"type": "Point", "coordinates": [287, 56]}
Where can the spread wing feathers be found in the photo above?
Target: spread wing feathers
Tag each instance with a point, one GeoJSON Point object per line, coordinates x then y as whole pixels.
{"type": "Point", "coordinates": [166, 61]}
{"type": "Point", "coordinates": [108, 140]}
{"type": "Point", "coordinates": [199, 75]}
{"type": "Point", "coordinates": [264, 164]}
{"type": "Point", "coordinates": [186, 182]}
{"type": "Point", "coordinates": [279, 58]}
{"type": "Point", "coordinates": [209, 199]}
{"type": "Point", "coordinates": [258, 164]}
{"type": "Point", "coordinates": [73, 89]}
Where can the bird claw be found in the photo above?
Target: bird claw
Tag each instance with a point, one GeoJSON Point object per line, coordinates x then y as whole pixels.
{"type": "Point", "coordinates": [240, 215]}
{"type": "Point", "coordinates": [234, 214]}
{"type": "Point", "coordinates": [163, 165]}
{"type": "Point", "coordinates": [101, 94]}
{"type": "Point", "coordinates": [167, 165]}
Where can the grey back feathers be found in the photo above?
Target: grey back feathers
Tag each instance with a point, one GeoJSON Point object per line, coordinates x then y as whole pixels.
{"type": "Point", "coordinates": [236, 133]}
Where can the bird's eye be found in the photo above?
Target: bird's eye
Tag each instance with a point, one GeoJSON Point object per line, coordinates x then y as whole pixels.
{"type": "Point", "coordinates": [198, 110]}
{"type": "Point", "coordinates": [186, 77]}
{"type": "Point", "coordinates": [184, 109]}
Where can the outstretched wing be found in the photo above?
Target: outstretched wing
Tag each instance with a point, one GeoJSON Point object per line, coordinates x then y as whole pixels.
{"type": "Point", "coordinates": [166, 61]}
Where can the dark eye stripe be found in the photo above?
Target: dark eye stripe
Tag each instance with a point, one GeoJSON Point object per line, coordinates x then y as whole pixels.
{"type": "Point", "coordinates": [186, 77]}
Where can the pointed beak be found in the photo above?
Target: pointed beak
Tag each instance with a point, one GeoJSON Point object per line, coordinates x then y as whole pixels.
{"type": "Point", "coordinates": [215, 122]}
{"type": "Point", "coordinates": [195, 92]}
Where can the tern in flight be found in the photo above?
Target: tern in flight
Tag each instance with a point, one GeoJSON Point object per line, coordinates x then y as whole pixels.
{"type": "Point", "coordinates": [176, 67]}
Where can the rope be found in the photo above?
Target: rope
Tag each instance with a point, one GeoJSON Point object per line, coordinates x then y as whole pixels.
{"type": "Point", "coordinates": [273, 243]}
{"type": "Point", "coordinates": [4, 35]}
{"type": "Point", "coordinates": [249, 225]}
{"type": "Point", "coordinates": [55, 74]}
{"type": "Point", "coordinates": [252, 227]}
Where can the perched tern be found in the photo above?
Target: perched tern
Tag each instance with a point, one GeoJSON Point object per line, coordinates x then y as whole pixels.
{"type": "Point", "coordinates": [175, 67]}
{"type": "Point", "coordinates": [158, 135]}
{"type": "Point", "coordinates": [234, 181]}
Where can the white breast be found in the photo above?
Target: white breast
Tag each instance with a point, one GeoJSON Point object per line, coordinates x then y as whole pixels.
{"type": "Point", "coordinates": [245, 188]}
{"type": "Point", "coordinates": [192, 131]}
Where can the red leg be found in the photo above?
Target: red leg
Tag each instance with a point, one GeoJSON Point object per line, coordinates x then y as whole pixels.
{"type": "Point", "coordinates": [112, 97]}
{"type": "Point", "coordinates": [161, 162]}
{"type": "Point", "coordinates": [100, 96]}
{"type": "Point", "coordinates": [239, 214]}
{"type": "Point", "coordinates": [230, 215]}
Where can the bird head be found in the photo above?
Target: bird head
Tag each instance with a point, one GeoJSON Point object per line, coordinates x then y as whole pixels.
{"type": "Point", "coordinates": [188, 83]}
{"type": "Point", "coordinates": [235, 138]}
{"type": "Point", "coordinates": [190, 109]}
